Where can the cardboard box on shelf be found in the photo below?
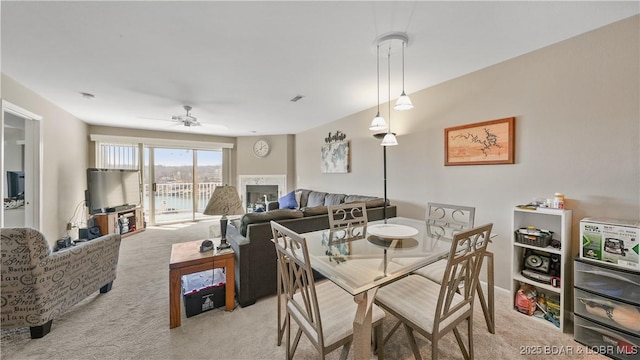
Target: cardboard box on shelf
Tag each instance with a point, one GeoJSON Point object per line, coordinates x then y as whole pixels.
{"type": "Point", "coordinates": [615, 242]}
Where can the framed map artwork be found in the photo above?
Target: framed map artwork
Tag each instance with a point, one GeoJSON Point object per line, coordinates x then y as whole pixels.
{"type": "Point", "coordinates": [335, 157]}
{"type": "Point", "coordinates": [483, 143]}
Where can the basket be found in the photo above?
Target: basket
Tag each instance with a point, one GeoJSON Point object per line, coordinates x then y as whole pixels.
{"type": "Point", "coordinates": [533, 237]}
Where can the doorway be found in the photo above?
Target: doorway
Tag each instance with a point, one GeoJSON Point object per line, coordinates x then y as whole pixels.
{"type": "Point", "coordinates": [21, 167]}
{"type": "Point", "coordinates": [178, 183]}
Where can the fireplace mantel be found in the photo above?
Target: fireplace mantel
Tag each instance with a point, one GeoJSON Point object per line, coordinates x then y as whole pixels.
{"type": "Point", "coordinates": [244, 180]}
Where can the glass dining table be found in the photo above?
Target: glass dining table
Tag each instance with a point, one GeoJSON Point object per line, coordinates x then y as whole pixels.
{"type": "Point", "coordinates": [361, 259]}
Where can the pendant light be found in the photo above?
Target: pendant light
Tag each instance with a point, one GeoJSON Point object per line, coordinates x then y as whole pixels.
{"type": "Point", "coordinates": [390, 138]}
{"type": "Point", "coordinates": [378, 123]}
{"type": "Point", "coordinates": [403, 102]}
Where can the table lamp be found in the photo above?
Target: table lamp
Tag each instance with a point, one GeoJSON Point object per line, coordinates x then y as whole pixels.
{"type": "Point", "coordinates": [224, 201]}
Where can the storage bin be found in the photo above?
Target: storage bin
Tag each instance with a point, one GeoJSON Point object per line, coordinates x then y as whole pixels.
{"type": "Point", "coordinates": [607, 311]}
{"type": "Point", "coordinates": [533, 237]}
{"type": "Point", "coordinates": [203, 291]}
{"type": "Point", "coordinates": [604, 340]}
{"type": "Point", "coordinates": [609, 282]}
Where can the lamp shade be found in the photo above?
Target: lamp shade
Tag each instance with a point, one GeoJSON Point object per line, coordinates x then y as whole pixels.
{"type": "Point", "coordinates": [389, 140]}
{"type": "Point", "coordinates": [378, 123]}
{"type": "Point", "coordinates": [403, 103]}
{"type": "Point", "coordinates": [224, 201]}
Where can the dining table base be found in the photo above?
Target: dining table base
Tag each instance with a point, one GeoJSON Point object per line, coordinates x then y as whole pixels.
{"type": "Point", "coordinates": [362, 324]}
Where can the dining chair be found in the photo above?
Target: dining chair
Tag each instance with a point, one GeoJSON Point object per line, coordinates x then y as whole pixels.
{"type": "Point", "coordinates": [444, 221]}
{"type": "Point", "coordinates": [305, 301]}
{"type": "Point", "coordinates": [345, 221]}
{"type": "Point", "coordinates": [433, 309]}
{"type": "Point", "coordinates": [350, 217]}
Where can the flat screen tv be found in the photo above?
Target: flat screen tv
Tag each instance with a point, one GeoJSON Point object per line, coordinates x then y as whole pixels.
{"type": "Point", "coordinates": [112, 189]}
{"type": "Point", "coordinates": [15, 184]}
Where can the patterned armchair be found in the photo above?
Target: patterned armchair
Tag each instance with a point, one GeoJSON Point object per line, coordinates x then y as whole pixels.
{"type": "Point", "coordinates": [38, 284]}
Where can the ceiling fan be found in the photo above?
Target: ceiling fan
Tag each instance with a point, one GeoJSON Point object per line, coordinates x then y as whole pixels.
{"type": "Point", "coordinates": [186, 120]}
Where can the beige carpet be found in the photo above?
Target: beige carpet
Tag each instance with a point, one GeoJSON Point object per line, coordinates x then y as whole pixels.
{"type": "Point", "coordinates": [132, 321]}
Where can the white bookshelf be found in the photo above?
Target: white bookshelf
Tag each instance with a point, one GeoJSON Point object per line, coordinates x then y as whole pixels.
{"type": "Point", "coordinates": [558, 221]}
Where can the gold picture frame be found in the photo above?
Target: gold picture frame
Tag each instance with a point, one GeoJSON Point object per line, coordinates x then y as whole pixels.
{"type": "Point", "coordinates": [484, 143]}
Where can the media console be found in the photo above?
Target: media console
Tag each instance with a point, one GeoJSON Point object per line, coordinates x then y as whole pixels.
{"type": "Point", "coordinates": [125, 222]}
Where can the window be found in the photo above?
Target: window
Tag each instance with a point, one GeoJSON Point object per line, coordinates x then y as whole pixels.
{"type": "Point", "coordinates": [117, 156]}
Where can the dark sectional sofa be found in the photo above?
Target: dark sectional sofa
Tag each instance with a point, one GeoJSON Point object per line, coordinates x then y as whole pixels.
{"type": "Point", "coordinates": [250, 237]}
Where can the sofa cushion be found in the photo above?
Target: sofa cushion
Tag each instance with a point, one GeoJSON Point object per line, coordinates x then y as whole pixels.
{"type": "Point", "coordinates": [288, 201]}
{"type": "Point", "coordinates": [316, 198]}
{"type": "Point", "coordinates": [304, 196]}
{"type": "Point", "coordinates": [298, 196]}
{"type": "Point", "coordinates": [334, 199]}
{"type": "Point", "coordinates": [314, 210]}
{"type": "Point", "coordinates": [279, 214]}
{"type": "Point", "coordinates": [370, 201]}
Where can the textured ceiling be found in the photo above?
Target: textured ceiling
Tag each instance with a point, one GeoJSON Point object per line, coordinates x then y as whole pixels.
{"type": "Point", "coordinates": [239, 63]}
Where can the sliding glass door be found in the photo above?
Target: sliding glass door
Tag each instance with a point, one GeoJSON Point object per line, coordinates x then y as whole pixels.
{"type": "Point", "coordinates": [208, 175]}
{"type": "Point", "coordinates": [179, 183]}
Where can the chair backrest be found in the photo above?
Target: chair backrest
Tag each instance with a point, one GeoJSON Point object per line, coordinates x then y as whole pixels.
{"type": "Point", "coordinates": [445, 220]}
{"type": "Point", "coordinates": [297, 278]}
{"type": "Point", "coordinates": [462, 271]}
{"type": "Point", "coordinates": [347, 221]}
{"type": "Point", "coordinates": [23, 249]}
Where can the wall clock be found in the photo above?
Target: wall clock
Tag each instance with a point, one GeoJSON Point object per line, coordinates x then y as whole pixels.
{"type": "Point", "coordinates": [261, 148]}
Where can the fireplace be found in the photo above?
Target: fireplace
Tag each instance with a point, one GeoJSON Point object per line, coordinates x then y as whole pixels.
{"type": "Point", "coordinates": [257, 190]}
{"type": "Point", "coordinates": [257, 197]}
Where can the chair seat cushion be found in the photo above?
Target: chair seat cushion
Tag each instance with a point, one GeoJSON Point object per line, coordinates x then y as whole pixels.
{"type": "Point", "coordinates": [433, 272]}
{"type": "Point", "coordinates": [338, 310]}
{"type": "Point", "coordinates": [415, 298]}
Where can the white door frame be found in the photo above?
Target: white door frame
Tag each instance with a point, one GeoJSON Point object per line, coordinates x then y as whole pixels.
{"type": "Point", "coordinates": [32, 166]}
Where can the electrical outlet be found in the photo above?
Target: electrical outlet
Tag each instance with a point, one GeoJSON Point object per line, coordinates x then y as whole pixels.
{"type": "Point", "coordinates": [69, 226]}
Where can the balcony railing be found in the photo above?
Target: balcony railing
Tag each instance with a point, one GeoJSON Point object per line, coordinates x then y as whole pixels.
{"type": "Point", "coordinates": [174, 201]}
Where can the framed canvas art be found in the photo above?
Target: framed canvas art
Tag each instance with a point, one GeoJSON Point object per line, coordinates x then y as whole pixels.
{"type": "Point", "coordinates": [483, 143]}
{"type": "Point", "coordinates": [335, 157]}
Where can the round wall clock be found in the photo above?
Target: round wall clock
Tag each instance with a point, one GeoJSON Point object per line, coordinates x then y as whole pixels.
{"type": "Point", "coordinates": [261, 148]}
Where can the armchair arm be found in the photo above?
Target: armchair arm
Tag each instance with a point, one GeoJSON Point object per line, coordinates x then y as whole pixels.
{"type": "Point", "coordinates": [273, 205]}
{"type": "Point", "coordinates": [75, 273]}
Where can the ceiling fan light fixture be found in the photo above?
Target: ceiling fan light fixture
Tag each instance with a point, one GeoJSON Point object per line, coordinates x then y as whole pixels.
{"type": "Point", "coordinates": [186, 120]}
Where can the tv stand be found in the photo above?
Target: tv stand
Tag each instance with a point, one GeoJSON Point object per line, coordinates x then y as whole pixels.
{"type": "Point", "coordinates": [125, 222]}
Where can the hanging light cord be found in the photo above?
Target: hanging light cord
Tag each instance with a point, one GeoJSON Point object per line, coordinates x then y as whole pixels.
{"type": "Point", "coordinates": [389, 77]}
{"type": "Point", "coordinates": [403, 45]}
{"type": "Point", "coordinates": [378, 67]}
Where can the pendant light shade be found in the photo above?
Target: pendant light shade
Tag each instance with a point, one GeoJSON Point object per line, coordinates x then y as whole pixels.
{"type": "Point", "coordinates": [389, 140]}
{"type": "Point", "coordinates": [403, 103]}
{"type": "Point", "coordinates": [378, 123]}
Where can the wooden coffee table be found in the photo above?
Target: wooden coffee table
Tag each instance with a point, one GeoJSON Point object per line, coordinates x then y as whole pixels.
{"type": "Point", "coordinates": [186, 258]}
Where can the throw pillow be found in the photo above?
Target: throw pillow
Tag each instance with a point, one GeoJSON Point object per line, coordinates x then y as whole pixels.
{"type": "Point", "coordinates": [288, 201]}
{"type": "Point", "coordinates": [298, 195]}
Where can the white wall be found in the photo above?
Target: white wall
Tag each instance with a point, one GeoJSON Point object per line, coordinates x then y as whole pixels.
{"type": "Point", "coordinates": [64, 157]}
{"type": "Point", "coordinates": [577, 113]}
